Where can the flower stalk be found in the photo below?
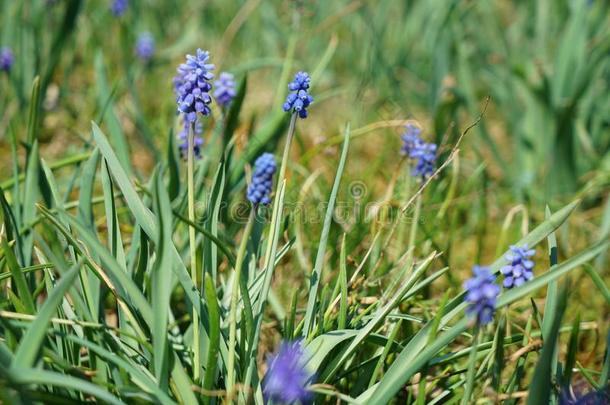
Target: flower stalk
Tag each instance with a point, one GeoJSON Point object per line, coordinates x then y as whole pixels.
{"type": "Point", "coordinates": [234, 299]}
{"type": "Point", "coordinates": [190, 174]}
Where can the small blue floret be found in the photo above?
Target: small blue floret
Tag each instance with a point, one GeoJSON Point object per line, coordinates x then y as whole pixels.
{"type": "Point", "coordinates": [259, 190]}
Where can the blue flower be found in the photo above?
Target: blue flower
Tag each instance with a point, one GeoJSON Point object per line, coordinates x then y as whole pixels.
{"type": "Point", "coordinates": [411, 139]}
{"type": "Point", "coordinates": [183, 145]}
{"type": "Point", "coordinates": [225, 89]}
{"type": "Point", "coordinates": [519, 268]}
{"type": "Point", "coordinates": [118, 7]}
{"type": "Point", "coordinates": [299, 100]}
{"type": "Point", "coordinates": [259, 189]}
{"type": "Point", "coordinates": [481, 294]}
{"type": "Point", "coordinates": [6, 59]}
{"type": "Point", "coordinates": [192, 85]}
{"type": "Point", "coordinates": [287, 377]}
{"type": "Point", "coordinates": [145, 46]}
{"type": "Point", "coordinates": [422, 154]}
{"type": "Point", "coordinates": [425, 159]}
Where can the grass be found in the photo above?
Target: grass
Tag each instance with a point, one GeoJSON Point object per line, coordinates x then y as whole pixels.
{"type": "Point", "coordinates": [130, 276]}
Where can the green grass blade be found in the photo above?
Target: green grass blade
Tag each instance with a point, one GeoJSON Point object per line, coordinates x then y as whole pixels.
{"type": "Point", "coordinates": [139, 375]}
{"type": "Point", "coordinates": [31, 342]}
{"type": "Point", "coordinates": [30, 198]}
{"type": "Point", "coordinates": [173, 163]}
{"type": "Point", "coordinates": [542, 381]}
{"type": "Point", "coordinates": [145, 220]}
{"type": "Point", "coordinates": [34, 112]}
{"type": "Point", "coordinates": [34, 376]}
{"type": "Point", "coordinates": [572, 351]}
{"type": "Point", "coordinates": [401, 370]}
{"type": "Point", "coordinates": [87, 183]}
{"type": "Point", "coordinates": [161, 279]}
{"type": "Point", "coordinates": [599, 282]}
{"type": "Point", "coordinates": [23, 291]}
{"type": "Point", "coordinates": [408, 287]}
{"type": "Point", "coordinates": [316, 274]}
{"type": "Point", "coordinates": [604, 377]}
{"type": "Point", "coordinates": [551, 296]}
{"type": "Point", "coordinates": [342, 319]}
{"type": "Point", "coordinates": [322, 345]}
{"type": "Point", "coordinates": [214, 340]}
{"type": "Point", "coordinates": [11, 227]}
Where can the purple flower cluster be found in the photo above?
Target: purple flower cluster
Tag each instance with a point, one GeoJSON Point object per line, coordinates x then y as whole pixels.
{"type": "Point", "coordinates": [192, 84]}
{"type": "Point", "coordinates": [423, 154]}
{"type": "Point", "coordinates": [299, 99]}
{"type": "Point", "coordinates": [183, 145]}
{"type": "Point", "coordinates": [287, 377]}
{"type": "Point", "coordinates": [481, 295]}
{"type": "Point", "coordinates": [225, 89]}
{"type": "Point", "coordinates": [6, 59]}
{"type": "Point", "coordinates": [145, 46]}
{"type": "Point", "coordinates": [411, 139]}
{"type": "Point", "coordinates": [118, 7]}
{"type": "Point", "coordinates": [259, 189]}
{"type": "Point", "coordinates": [425, 160]}
{"type": "Point", "coordinates": [519, 267]}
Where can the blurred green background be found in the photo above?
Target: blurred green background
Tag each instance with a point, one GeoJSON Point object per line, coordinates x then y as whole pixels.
{"type": "Point", "coordinates": [543, 63]}
{"type": "Point", "coordinates": [544, 137]}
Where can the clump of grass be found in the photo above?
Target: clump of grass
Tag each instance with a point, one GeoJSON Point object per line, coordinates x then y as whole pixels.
{"type": "Point", "coordinates": [169, 286]}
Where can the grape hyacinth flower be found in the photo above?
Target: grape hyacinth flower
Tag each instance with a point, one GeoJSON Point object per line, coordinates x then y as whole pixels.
{"type": "Point", "coordinates": [481, 294]}
{"type": "Point", "coordinates": [287, 376]}
{"type": "Point", "coordinates": [145, 46]}
{"type": "Point", "coordinates": [193, 86]}
{"type": "Point", "coordinates": [197, 140]}
{"type": "Point", "coordinates": [411, 139]}
{"type": "Point", "coordinates": [6, 59]}
{"type": "Point", "coordinates": [225, 89]}
{"type": "Point", "coordinates": [259, 189]}
{"type": "Point", "coordinates": [425, 155]}
{"type": "Point", "coordinates": [118, 7]}
{"type": "Point", "coordinates": [299, 100]}
{"type": "Point", "coordinates": [519, 267]}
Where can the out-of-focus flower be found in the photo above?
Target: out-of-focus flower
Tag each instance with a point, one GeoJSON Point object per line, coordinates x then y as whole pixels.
{"type": "Point", "coordinates": [411, 139]}
{"type": "Point", "coordinates": [259, 189]}
{"type": "Point", "coordinates": [422, 154]}
{"type": "Point", "coordinates": [192, 84]}
{"type": "Point", "coordinates": [519, 267]}
{"type": "Point", "coordinates": [118, 7]}
{"type": "Point", "coordinates": [224, 89]}
{"type": "Point", "coordinates": [425, 159]}
{"type": "Point", "coordinates": [145, 46]}
{"type": "Point", "coordinates": [299, 99]}
{"type": "Point", "coordinates": [287, 377]}
{"type": "Point", "coordinates": [7, 59]}
{"type": "Point", "coordinates": [481, 295]}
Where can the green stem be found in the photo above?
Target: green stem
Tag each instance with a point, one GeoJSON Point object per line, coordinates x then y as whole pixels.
{"type": "Point", "coordinates": [414, 223]}
{"type": "Point", "coordinates": [75, 159]}
{"type": "Point", "coordinates": [234, 298]}
{"type": "Point", "coordinates": [193, 244]}
{"type": "Point", "coordinates": [472, 360]}
{"type": "Point", "coordinates": [269, 260]}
